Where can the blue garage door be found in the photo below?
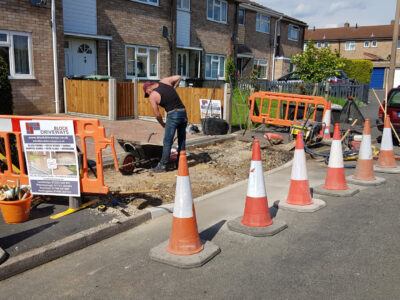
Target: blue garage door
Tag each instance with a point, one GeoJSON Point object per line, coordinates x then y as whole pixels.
{"type": "Point", "coordinates": [376, 82]}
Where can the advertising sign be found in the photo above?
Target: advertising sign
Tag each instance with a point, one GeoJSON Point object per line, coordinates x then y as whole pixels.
{"type": "Point", "coordinates": [210, 110]}
{"type": "Point", "coordinates": [51, 157]}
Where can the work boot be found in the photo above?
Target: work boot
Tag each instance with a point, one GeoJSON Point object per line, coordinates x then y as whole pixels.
{"type": "Point", "coordinates": [159, 168]}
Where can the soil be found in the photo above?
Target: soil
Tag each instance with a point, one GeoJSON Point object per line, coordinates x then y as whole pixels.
{"type": "Point", "coordinates": [211, 167]}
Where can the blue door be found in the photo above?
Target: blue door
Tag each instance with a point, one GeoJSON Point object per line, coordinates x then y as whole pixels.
{"type": "Point", "coordinates": [377, 77]}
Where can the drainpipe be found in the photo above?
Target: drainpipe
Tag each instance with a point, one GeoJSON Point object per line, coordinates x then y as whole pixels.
{"type": "Point", "coordinates": [274, 53]}
{"type": "Point", "coordinates": [54, 34]}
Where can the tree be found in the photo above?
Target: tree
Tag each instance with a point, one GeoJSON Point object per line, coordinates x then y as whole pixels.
{"type": "Point", "coordinates": [230, 72]}
{"type": "Point", "coordinates": [316, 65]}
{"type": "Point", "coordinates": [6, 100]}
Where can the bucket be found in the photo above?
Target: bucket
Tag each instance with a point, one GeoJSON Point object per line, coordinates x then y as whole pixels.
{"type": "Point", "coordinates": [16, 211]}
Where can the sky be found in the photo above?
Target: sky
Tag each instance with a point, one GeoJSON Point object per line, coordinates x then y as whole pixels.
{"type": "Point", "coordinates": [334, 13]}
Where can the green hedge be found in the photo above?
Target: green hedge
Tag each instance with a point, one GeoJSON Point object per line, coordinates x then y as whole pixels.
{"type": "Point", "coordinates": [359, 69]}
{"type": "Point", "coordinates": [6, 100]}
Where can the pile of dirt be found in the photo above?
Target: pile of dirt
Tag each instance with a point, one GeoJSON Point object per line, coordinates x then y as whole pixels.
{"type": "Point", "coordinates": [211, 168]}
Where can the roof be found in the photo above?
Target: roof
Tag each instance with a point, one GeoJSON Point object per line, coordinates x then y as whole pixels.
{"type": "Point", "coordinates": [346, 33]}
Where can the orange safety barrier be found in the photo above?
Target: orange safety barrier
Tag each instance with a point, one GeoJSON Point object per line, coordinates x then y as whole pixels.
{"type": "Point", "coordinates": [273, 108]}
{"type": "Point", "coordinates": [84, 129]}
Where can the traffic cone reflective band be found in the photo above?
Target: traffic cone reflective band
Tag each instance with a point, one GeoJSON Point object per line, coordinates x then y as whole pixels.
{"type": "Point", "coordinates": [364, 168]}
{"type": "Point", "coordinates": [326, 130]}
{"type": "Point", "coordinates": [386, 156]}
{"type": "Point", "coordinates": [299, 191]}
{"type": "Point", "coordinates": [335, 177]}
{"type": "Point", "coordinates": [184, 239]}
{"type": "Point", "coordinates": [256, 212]}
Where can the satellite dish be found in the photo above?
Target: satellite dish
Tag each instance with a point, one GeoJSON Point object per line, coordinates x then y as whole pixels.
{"type": "Point", "coordinates": [38, 2]}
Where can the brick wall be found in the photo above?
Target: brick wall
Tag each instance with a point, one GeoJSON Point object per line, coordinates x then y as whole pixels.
{"type": "Point", "coordinates": [35, 96]}
{"type": "Point", "coordinates": [288, 47]}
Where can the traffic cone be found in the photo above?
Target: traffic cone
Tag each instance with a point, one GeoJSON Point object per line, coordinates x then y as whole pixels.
{"type": "Point", "coordinates": [335, 181]}
{"type": "Point", "coordinates": [326, 129]}
{"type": "Point", "coordinates": [364, 173]}
{"type": "Point", "coordinates": [184, 249]}
{"type": "Point", "coordinates": [386, 156]}
{"type": "Point", "coordinates": [299, 197]}
{"type": "Point", "coordinates": [256, 220]}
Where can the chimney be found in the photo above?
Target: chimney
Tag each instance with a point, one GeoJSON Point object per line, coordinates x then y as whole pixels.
{"type": "Point", "coordinates": [356, 25]}
{"type": "Point", "coordinates": [314, 28]}
{"type": "Point", "coordinates": [346, 25]}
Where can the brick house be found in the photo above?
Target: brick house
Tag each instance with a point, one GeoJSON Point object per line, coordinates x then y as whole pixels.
{"type": "Point", "coordinates": [145, 39]}
{"type": "Point", "coordinates": [361, 42]}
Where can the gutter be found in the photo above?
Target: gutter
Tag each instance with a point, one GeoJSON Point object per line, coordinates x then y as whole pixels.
{"type": "Point", "coordinates": [274, 53]}
{"type": "Point", "coordinates": [55, 65]}
{"type": "Point", "coordinates": [266, 11]}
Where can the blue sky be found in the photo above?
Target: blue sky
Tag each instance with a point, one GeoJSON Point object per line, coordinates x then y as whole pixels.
{"type": "Point", "coordinates": [334, 13]}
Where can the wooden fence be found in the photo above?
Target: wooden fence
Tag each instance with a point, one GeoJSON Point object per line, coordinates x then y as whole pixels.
{"type": "Point", "coordinates": [125, 100]}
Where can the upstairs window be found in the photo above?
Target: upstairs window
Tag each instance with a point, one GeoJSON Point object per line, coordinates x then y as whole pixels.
{"type": "Point", "coordinates": [350, 46]}
{"type": "Point", "coordinates": [262, 23]}
{"type": "Point", "coordinates": [215, 66]}
{"type": "Point", "coordinates": [241, 17]}
{"type": "Point", "coordinates": [293, 33]}
{"type": "Point", "coordinates": [16, 50]}
{"type": "Point", "coordinates": [326, 44]}
{"type": "Point", "coordinates": [319, 45]}
{"type": "Point", "coordinates": [374, 44]}
{"type": "Point", "coordinates": [217, 11]}
{"type": "Point", "coordinates": [183, 4]}
{"type": "Point", "coordinates": [366, 44]}
{"type": "Point", "coordinates": [152, 2]}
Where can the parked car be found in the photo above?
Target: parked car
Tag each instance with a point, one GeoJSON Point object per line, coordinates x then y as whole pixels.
{"type": "Point", "coordinates": [340, 78]}
{"type": "Point", "coordinates": [290, 77]}
{"type": "Point", "coordinates": [393, 110]}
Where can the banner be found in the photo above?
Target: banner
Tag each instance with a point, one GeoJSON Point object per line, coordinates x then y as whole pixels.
{"type": "Point", "coordinates": [212, 110]}
{"type": "Point", "coordinates": [51, 157]}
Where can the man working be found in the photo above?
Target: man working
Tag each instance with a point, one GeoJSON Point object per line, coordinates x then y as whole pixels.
{"type": "Point", "coordinates": [164, 94]}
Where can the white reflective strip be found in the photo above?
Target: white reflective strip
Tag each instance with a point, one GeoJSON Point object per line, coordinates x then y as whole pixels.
{"type": "Point", "coordinates": [256, 186]}
{"type": "Point", "coordinates": [327, 118]}
{"type": "Point", "coordinates": [387, 142]}
{"type": "Point", "coordinates": [365, 148]}
{"type": "Point", "coordinates": [183, 206]}
{"type": "Point", "coordinates": [299, 169]}
{"type": "Point", "coordinates": [6, 125]}
{"type": "Point", "coordinates": [336, 155]}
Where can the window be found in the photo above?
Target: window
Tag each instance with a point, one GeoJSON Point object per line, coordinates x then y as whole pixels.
{"type": "Point", "coordinates": [366, 44]}
{"type": "Point", "coordinates": [16, 50]}
{"type": "Point", "coordinates": [398, 44]}
{"type": "Point", "coordinates": [262, 23]}
{"type": "Point", "coordinates": [241, 16]}
{"type": "Point", "coordinates": [319, 45]}
{"type": "Point", "coordinates": [141, 62]}
{"type": "Point", "coordinates": [217, 10]}
{"type": "Point", "coordinates": [152, 2]}
{"type": "Point", "coordinates": [350, 46]}
{"type": "Point", "coordinates": [215, 66]}
{"type": "Point", "coordinates": [261, 67]}
{"type": "Point", "coordinates": [183, 4]}
{"type": "Point", "coordinates": [326, 44]}
{"type": "Point", "coordinates": [374, 44]}
{"type": "Point", "coordinates": [293, 32]}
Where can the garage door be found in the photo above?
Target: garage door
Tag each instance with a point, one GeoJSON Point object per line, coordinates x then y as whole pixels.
{"type": "Point", "coordinates": [378, 75]}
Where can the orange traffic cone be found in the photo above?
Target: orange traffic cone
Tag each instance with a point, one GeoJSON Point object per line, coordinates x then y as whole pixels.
{"type": "Point", "coordinates": [299, 197]}
{"type": "Point", "coordinates": [184, 239]}
{"type": "Point", "coordinates": [184, 249]}
{"type": "Point", "coordinates": [256, 220]}
{"type": "Point", "coordinates": [364, 173]}
{"type": "Point", "coordinates": [335, 181]}
{"type": "Point", "coordinates": [326, 129]}
{"type": "Point", "coordinates": [386, 156]}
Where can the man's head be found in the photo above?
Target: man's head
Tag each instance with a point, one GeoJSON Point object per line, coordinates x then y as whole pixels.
{"type": "Point", "coordinates": [147, 88]}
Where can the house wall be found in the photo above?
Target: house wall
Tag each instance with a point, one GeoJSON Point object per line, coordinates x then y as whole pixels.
{"type": "Point", "coordinates": [35, 96]}
{"type": "Point", "coordinates": [288, 47]}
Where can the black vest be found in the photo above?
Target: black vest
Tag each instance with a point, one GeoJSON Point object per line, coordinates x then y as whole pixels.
{"type": "Point", "coordinates": [169, 97]}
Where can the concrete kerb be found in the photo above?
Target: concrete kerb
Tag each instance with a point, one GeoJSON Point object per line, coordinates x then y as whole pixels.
{"type": "Point", "coordinates": [57, 249]}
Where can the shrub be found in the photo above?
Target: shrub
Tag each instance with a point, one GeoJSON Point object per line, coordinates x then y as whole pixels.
{"type": "Point", "coordinates": [6, 100]}
{"type": "Point", "coordinates": [359, 69]}
{"type": "Point", "coordinates": [230, 72]}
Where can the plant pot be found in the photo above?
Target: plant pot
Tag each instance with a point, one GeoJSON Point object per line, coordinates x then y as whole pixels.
{"type": "Point", "coordinates": [16, 211]}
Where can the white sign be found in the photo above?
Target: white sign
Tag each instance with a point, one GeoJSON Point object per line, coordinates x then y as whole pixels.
{"type": "Point", "coordinates": [51, 157]}
{"type": "Point", "coordinates": [210, 110]}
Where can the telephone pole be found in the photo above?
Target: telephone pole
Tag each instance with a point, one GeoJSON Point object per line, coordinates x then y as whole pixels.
{"type": "Point", "coordinates": [392, 68]}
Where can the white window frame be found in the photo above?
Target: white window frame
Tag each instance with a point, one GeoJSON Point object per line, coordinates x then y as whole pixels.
{"type": "Point", "coordinates": [10, 44]}
{"type": "Point", "coordinates": [258, 23]}
{"type": "Point", "coordinates": [219, 67]}
{"type": "Point", "coordinates": [244, 17]}
{"type": "Point", "coordinates": [179, 5]}
{"type": "Point", "coordinates": [326, 44]}
{"type": "Point", "coordinates": [147, 2]}
{"type": "Point", "coordinates": [319, 45]}
{"type": "Point", "coordinates": [220, 12]}
{"type": "Point", "coordinates": [290, 31]}
{"type": "Point", "coordinates": [350, 46]}
{"type": "Point", "coordinates": [366, 44]}
{"type": "Point", "coordinates": [262, 62]}
{"type": "Point", "coordinates": [136, 47]}
{"type": "Point", "coordinates": [398, 44]}
{"type": "Point", "coordinates": [374, 42]}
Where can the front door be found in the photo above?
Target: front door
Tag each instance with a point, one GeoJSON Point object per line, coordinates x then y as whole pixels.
{"type": "Point", "coordinates": [182, 63]}
{"type": "Point", "coordinates": [80, 57]}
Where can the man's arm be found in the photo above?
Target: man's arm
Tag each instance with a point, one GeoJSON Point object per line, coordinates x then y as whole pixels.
{"type": "Point", "coordinates": [172, 80]}
{"type": "Point", "coordinates": [154, 100]}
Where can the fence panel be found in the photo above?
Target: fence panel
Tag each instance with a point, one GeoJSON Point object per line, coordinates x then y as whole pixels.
{"type": "Point", "coordinates": [125, 99]}
{"type": "Point", "coordinates": [87, 97]}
